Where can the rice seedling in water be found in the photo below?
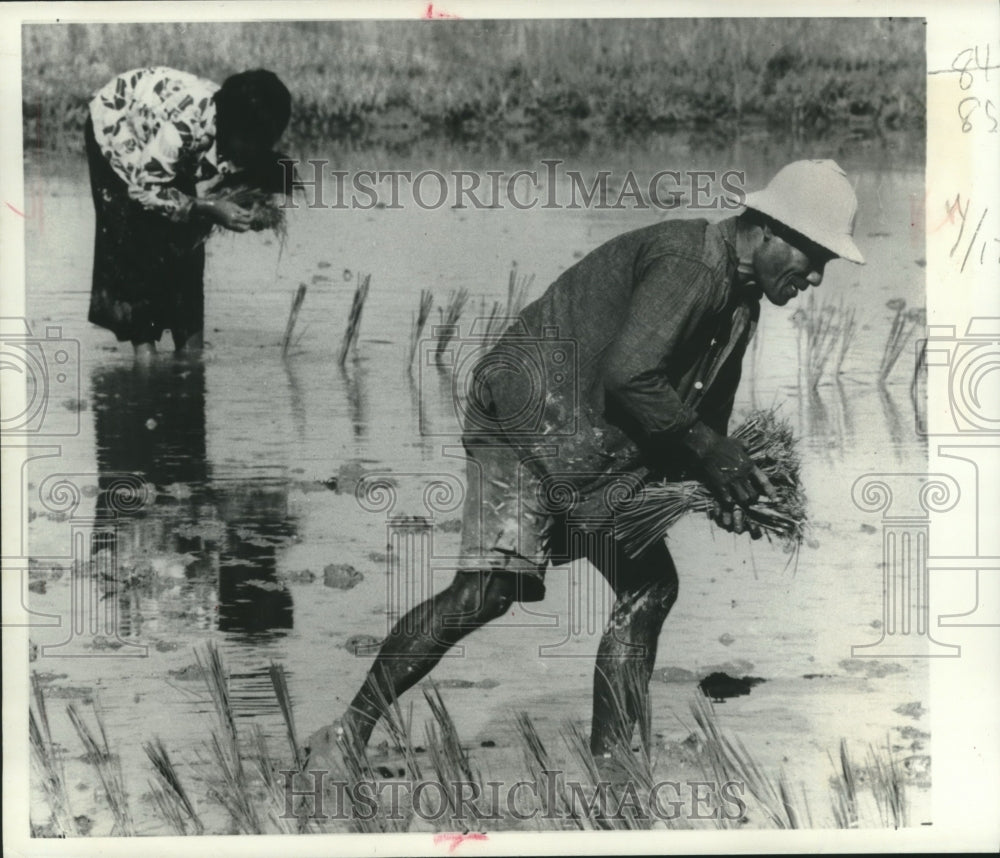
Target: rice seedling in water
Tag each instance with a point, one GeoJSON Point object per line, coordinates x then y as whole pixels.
{"type": "Point", "coordinates": [280, 684]}
{"type": "Point", "coordinates": [400, 729]}
{"type": "Point", "coordinates": [354, 317]}
{"type": "Point", "coordinates": [48, 763]}
{"type": "Point", "coordinates": [903, 325]}
{"type": "Point", "coordinates": [108, 768]}
{"type": "Point", "coordinates": [848, 328]}
{"type": "Point", "coordinates": [822, 330]}
{"type": "Point", "coordinates": [544, 771]}
{"type": "Point", "coordinates": [845, 791]}
{"type": "Point", "coordinates": [449, 317]}
{"type": "Point", "coordinates": [888, 786]}
{"type": "Point", "coordinates": [918, 386]}
{"type": "Point", "coordinates": [728, 760]}
{"type": "Point", "coordinates": [496, 322]}
{"type": "Point", "coordinates": [274, 789]}
{"type": "Point", "coordinates": [293, 314]}
{"type": "Point", "coordinates": [233, 791]}
{"type": "Point", "coordinates": [170, 796]}
{"type": "Point", "coordinates": [418, 322]}
{"type": "Point", "coordinates": [598, 804]}
{"type": "Point", "coordinates": [770, 443]}
{"type": "Point", "coordinates": [518, 286]}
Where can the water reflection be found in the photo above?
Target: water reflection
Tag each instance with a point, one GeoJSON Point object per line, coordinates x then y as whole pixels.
{"type": "Point", "coordinates": [354, 380]}
{"type": "Point", "coordinates": [893, 419]}
{"type": "Point", "coordinates": [197, 553]}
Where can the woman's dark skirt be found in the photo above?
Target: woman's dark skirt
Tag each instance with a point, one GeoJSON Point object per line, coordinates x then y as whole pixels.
{"type": "Point", "coordinates": [148, 270]}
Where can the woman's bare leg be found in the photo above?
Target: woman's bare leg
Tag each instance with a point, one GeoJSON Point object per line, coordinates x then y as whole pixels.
{"type": "Point", "coordinates": [145, 353]}
{"type": "Point", "coordinates": [188, 342]}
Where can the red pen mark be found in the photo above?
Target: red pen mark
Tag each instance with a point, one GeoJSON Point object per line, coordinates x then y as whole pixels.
{"type": "Point", "coordinates": [16, 211]}
{"type": "Point", "coordinates": [951, 209]}
{"type": "Point", "coordinates": [431, 14]}
{"type": "Point", "coordinates": [456, 840]}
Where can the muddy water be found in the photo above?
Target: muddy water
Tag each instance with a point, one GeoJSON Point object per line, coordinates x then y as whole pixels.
{"type": "Point", "coordinates": [243, 470]}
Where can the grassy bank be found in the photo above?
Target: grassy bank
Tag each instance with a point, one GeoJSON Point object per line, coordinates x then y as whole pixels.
{"type": "Point", "coordinates": [524, 78]}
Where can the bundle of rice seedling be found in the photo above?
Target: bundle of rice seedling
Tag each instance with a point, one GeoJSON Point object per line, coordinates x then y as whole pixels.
{"type": "Point", "coordinates": [771, 445]}
{"type": "Point", "coordinates": [266, 212]}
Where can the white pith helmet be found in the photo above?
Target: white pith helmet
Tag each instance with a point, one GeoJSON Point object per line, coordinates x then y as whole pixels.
{"type": "Point", "coordinates": [816, 199]}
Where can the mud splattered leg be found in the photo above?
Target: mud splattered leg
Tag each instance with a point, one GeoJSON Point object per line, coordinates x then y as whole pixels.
{"type": "Point", "coordinates": [645, 590]}
{"type": "Point", "coordinates": [419, 640]}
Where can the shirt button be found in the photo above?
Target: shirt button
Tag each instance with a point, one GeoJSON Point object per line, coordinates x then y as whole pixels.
{"type": "Point", "coordinates": [698, 385]}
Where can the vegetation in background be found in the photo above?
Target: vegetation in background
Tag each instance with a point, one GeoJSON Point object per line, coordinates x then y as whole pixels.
{"type": "Point", "coordinates": [523, 79]}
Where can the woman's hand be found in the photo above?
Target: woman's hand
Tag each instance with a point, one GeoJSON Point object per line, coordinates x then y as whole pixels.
{"type": "Point", "coordinates": [227, 214]}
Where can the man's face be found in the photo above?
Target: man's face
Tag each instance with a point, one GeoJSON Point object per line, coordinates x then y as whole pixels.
{"type": "Point", "coordinates": [784, 266]}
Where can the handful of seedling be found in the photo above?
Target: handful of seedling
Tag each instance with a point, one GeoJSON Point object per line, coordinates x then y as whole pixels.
{"type": "Point", "coordinates": [771, 445]}
{"type": "Point", "coordinates": [265, 209]}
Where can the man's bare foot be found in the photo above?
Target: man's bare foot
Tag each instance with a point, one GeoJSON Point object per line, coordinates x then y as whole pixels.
{"type": "Point", "coordinates": [325, 748]}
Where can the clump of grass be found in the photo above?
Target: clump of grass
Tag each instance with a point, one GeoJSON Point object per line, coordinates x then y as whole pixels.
{"type": "Point", "coordinates": [169, 794]}
{"type": "Point", "coordinates": [354, 317]}
{"type": "Point", "coordinates": [904, 322]}
{"type": "Point", "coordinates": [771, 445]}
{"type": "Point", "coordinates": [418, 322]}
{"type": "Point", "coordinates": [449, 316]}
{"type": "Point", "coordinates": [293, 315]}
{"type": "Point", "coordinates": [49, 763]}
{"type": "Point", "coordinates": [108, 767]}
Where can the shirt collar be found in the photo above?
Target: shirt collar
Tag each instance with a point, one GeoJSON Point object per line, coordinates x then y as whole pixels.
{"type": "Point", "coordinates": [741, 277]}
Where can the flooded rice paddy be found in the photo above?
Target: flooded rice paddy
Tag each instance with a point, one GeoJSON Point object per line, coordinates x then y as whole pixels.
{"type": "Point", "coordinates": [235, 517]}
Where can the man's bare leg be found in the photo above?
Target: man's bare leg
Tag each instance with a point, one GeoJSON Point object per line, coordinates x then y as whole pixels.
{"type": "Point", "coordinates": [419, 640]}
{"type": "Point", "coordinates": [645, 589]}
